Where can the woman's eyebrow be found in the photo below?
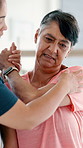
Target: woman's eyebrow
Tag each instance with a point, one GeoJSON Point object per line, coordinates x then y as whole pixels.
{"type": "Point", "coordinates": [65, 41]}
{"type": "Point", "coordinates": [2, 16]}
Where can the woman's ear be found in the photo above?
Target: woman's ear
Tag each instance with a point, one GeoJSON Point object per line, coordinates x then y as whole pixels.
{"type": "Point", "coordinates": [36, 36]}
{"type": "Point", "coordinates": [68, 53]}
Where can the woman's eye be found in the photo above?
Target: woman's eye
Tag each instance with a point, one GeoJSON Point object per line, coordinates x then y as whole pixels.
{"type": "Point", "coordinates": [48, 39]}
{"type": "Point", "coordinates": [63, 45]}
{"type": "Point", "coordinates": [1, 20]}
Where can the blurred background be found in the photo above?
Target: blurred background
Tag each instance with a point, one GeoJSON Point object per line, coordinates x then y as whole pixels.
{"type": "Point", "coordinates": [23, 18]}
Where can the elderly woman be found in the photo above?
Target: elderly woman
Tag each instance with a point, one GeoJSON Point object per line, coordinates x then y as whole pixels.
{"type": "Point", "coordinates": [57, 34]}
{"type": "Point", "coordinates": [13, 112]}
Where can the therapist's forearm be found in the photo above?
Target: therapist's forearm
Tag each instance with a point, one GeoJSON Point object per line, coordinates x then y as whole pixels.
{"type": "Point", "coordinates": [37, 111]}
{"type": "Point", "coordinates": [26, 92]}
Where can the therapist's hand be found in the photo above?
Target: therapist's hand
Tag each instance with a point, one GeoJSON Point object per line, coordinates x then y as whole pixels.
{"type": "Point", "coordinates": [15, 57]}
{"type": "Point", "coordinates": [4, 63]}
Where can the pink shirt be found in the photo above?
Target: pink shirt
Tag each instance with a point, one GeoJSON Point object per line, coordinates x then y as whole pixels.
{"type": "Point", "coordinates": [64, 129]}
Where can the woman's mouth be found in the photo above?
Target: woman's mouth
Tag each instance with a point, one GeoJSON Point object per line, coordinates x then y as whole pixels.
{"type": "Point", "coordinates": [48, 56]}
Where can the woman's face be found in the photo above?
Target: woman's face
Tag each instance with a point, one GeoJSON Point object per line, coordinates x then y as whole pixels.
{"type": "Point", "coordinates": [3, 11]}
{"type": "Point", "coordinates": [52, 48]}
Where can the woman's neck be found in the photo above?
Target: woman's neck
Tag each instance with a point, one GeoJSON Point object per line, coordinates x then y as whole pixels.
{"type": "Point", "coordinates": [40, 78]}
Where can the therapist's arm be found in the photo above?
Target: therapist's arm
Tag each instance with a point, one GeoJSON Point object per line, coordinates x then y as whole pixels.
{"type": "Point", "coordinates": [37, 111]}
{"type": "Point", "coordinates": [26, 92]}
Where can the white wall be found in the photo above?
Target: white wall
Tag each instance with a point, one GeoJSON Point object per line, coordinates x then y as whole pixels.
{"type": "Point", "coordinates": [75, 7]}
{"type": "Point", "coordinates": [30, 12]}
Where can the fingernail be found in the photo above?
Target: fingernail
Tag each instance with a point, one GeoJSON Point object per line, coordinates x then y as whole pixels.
{"type": "Point", "coordinates": [13, 51]}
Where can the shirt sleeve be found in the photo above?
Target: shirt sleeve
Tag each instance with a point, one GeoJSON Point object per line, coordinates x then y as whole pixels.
{"type": "Point", "coordinates": [7, 98]}
{"type": "Point", "coordinates": [76, 99]}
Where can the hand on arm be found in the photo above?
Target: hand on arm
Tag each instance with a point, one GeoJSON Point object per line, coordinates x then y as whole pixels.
{"type": "Point", "coordinates": [43, 107]}
{"type": "Point", "coordinates": [20, 86]}
{"type": "Point", "coordinates": [15, 80]}
{"type": "Point", "coordinates": [76, 78]}
{"type": "Point", "coordinates": [66, 100]}
{"type": "Point", "coordinates": [15, 59]}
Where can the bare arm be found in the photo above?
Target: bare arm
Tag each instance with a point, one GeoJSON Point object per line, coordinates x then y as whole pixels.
{"type": "Point", "coordinates": [21, 91]}
{"type": "Point", "coordinates": [42, 108]}
{"type": "Point", "coordinates": [18, 86]}
{"type": "Point", "coordinates": [14, 80]}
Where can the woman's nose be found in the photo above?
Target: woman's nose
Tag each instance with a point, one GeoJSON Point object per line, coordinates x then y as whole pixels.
{"type": "Point", "coordinates": [53, 48]}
